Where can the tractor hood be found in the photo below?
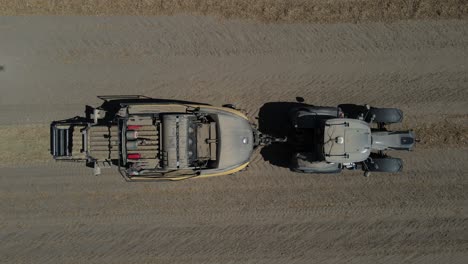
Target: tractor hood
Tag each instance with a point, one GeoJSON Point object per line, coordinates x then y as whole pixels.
{"type": "Point", "coordinates": [346, 140]}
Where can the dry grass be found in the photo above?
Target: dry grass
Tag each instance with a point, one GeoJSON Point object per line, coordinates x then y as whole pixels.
{"type": "Point", "coordinates": [447, 133]}
{"type": "Point", "coordinates": [25, 144]}
{"type": "Point", "coordinates": [319, 11]}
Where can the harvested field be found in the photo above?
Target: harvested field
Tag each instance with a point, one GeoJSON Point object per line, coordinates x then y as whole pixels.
{"type": "Point", "coordinates": [52, 66]}
{"type": "Point", "coordinates": [317, 11]}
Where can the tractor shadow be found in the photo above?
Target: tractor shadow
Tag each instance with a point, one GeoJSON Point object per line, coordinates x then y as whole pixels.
{"type": "Point", "coordinates": [273, 120]}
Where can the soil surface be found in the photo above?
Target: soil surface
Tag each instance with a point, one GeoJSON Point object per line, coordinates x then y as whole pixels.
{"type": "Point", "coordinates": [317, 11]}
{"type": "Point", "coordinates": [51, 67]}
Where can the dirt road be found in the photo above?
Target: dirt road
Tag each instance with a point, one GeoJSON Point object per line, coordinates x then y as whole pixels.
{"type": "Point", "coordinates": [53, 66]}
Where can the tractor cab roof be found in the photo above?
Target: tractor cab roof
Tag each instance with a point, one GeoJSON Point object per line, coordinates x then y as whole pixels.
{"type": "Point", "coordinates": [346, 140]}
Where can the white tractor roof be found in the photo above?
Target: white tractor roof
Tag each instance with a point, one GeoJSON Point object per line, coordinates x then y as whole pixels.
{"type": "Point", "coordinates": [346, 140]}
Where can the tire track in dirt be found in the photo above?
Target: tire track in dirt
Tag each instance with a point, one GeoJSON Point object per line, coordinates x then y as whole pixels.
{"type": "Point", "coordinates": [94, 237]}
{"type": "Point", "coordinates": [424, 167]}
{"type": "Point", "coordinates": [326, 64]}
